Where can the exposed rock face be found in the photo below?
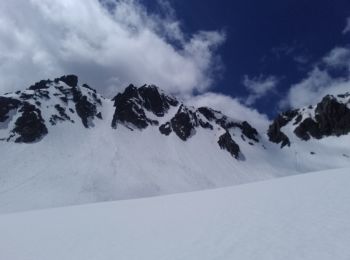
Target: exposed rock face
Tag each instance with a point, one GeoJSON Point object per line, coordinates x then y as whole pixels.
{"type": "Point", "coordinates": [128, 109]}
{"type": "Point", "coordinates": [275, 133]}
{"type": "Point", "coordinates": [70, 80]}
{"type": "Point", "coordinates": [63, 116]}
{"type": "Point", "coordinates": [306, 128]}
{"type": "Point", "coordinates": [208, 113]}
{"type": "Point", "coordinates": [165, 129]}
{"type": "Point", "coordinates": [226, 142]}
{"type": "Point", "coordinates": [86, 110]}
{"type": "Point", "coordinates": [135, 108]}
{"type": "Point", "coordinates": [40, 85]}
{"type": "Point", "coordinates": [132, 104]}
{"type": "Point", "coordinates": [154, 101]}
{"type": "Point", "coordinates": [184, 123]}
{"type": "Point", "coordinates": [26, 115]}
{"type": "Point", "coordinates": [226, 123]}
{"type": "Point", "coordinates": [30, 125]}
{"type": "Point", "coordinates": [188, 119]}
{"type": "Point", "coordinates": [6, 105]}
{"type": "Point", "coordinates": [331, 118]}
{"type": "Point", "coordinates": [249, 131]}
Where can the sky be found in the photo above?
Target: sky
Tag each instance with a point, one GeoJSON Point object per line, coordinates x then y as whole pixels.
{"type": "Point", "coordinates": [247, 57]}
{"type": "Point", "coordinates": [270, 45]}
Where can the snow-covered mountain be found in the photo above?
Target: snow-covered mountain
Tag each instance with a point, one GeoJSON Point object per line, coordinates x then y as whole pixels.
{"type": "Point", "coordinates": [63, 143]}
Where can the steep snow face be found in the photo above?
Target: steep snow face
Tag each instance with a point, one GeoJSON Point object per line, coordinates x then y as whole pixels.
{"type": "Point", "coordinates": [65, 144]}
{"type": "Point", "coordinates": [304, 217]}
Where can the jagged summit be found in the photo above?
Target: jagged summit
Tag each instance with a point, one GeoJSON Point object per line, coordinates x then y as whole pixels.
{"type": "Point", "coordinates": [148, 105]}
{"type": "Point", "coordinates": [63, 143]}
{"type": "Point", "coordinates": [28, 115]}
{"type": "Point", "coordinates": [131, 106]}
{"type": "Point", "coordinates": [330, 117]}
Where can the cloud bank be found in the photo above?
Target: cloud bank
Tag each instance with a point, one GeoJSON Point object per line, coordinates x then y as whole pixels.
{"type": "Point", "coordinates": [109, 44]}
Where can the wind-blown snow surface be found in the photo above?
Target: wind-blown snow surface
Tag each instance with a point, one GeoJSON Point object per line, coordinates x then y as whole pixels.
{"type": "Point", "coordinates": [300, 217]}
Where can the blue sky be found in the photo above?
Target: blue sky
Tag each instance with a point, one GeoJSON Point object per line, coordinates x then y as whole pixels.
{"type": "Point", "coordinates": [246, 55]}
{"type": "Point", "coordinates": [267, 38]}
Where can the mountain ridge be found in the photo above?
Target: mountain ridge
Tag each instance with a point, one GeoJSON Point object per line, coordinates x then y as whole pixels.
{"type": "Point", "coordinates": [66, 144]}
{"type": "Point", "coordinates": [133, 108]}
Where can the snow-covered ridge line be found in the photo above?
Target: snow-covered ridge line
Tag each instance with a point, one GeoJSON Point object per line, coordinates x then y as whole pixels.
{"type": "Point", "coordinates": [63, 144]}
{"type": "Point", "coordinates": [29, 114]}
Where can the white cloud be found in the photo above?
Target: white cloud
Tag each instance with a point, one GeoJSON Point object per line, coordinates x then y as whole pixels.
{"type": "Point", "coordinates": [319, 81]}
{"type": "Point", "coordinates": [232, 108]}
{"type": "Point", "coordinates": [258, 87]}
{"type": "Point", "coordinates": [106, 48]}
{"type": "Point", "coordinates": [347, 27]}
{"type": "Point", "coordinates": [339, 57]}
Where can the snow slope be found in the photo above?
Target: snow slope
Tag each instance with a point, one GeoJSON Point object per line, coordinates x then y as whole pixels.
{"type": "Point", "coordinates": [73, 164]}
{"type": "Point", "coordinates": [300, 217]}
{"type": "Point", "coordinates": [83, 158]}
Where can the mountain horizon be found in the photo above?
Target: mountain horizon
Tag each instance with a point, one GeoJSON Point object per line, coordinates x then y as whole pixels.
{"type": "Point", "coordinates": [61, 137]}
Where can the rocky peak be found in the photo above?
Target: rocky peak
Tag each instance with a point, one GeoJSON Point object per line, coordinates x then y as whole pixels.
{"type": "Point", "coordinates": [28, 114]}
{"type": "Point", "coordinates": [331, 116]}
{"type": "Point", "coordinates": [156, 101]}
{"type": "Point", "coordinates": [132, 105]}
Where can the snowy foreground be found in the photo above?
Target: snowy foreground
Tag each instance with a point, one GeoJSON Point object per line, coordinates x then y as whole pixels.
{"type": "Point", "coordinates": [299, 217]}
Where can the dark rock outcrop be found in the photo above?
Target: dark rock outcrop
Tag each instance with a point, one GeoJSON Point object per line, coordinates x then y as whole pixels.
{"type": "Point", "coordinates": [154, 101]}
{"type": "Point", "coordinates": [331, 118]}
{"type": "Point", "coordinates": [275, 133]}
{"type": "Point", "coordinates": [84, 108]}
{"type": "Point", "coordinates": [70, 80]}
{"type": "Point", "coordinates": [132, 104]}
{"type": "Point", "coordinates": [42, 84]}
{"type": "Point", "coordinates": [184, 123]}
{"type": "Point", "coordinates": [128, 109]}
{"type": "Point", "coordinates": [249, 131]}
{"type": "Point", "coordinates": [306, 128]}
{"type": "Point", "coordinates": [208, 113]}
{"type": "Point", "coordinates": [165, 129]}
{"type": "Point", "coordinates": [6, 105]}
{"type": "Point", "coordinates": [30, 125]}
{"type": "Point", "coordinates": [226, 142]}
